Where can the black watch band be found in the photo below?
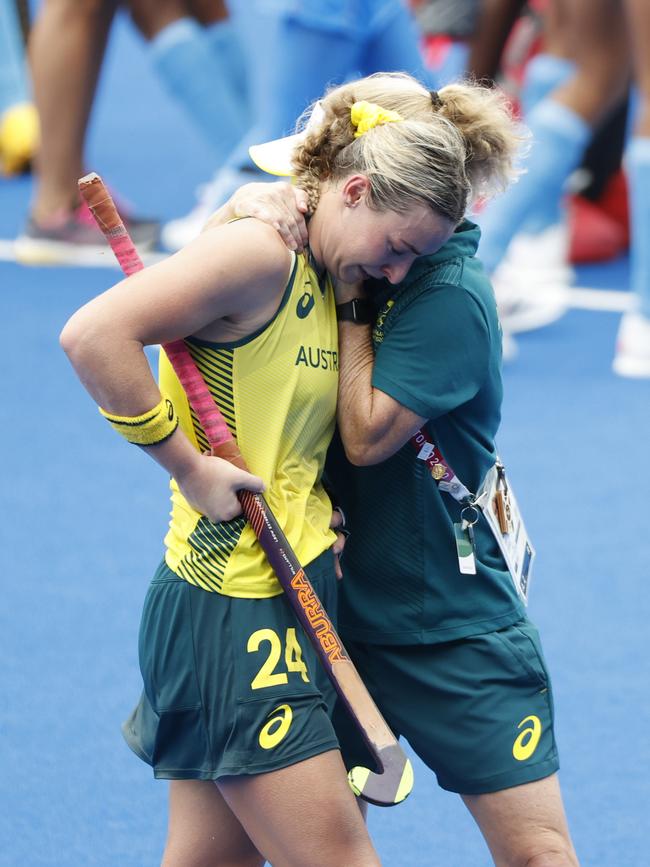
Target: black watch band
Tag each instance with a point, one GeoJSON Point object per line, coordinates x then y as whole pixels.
{"type": "Point", "coordinates": [358, 310]}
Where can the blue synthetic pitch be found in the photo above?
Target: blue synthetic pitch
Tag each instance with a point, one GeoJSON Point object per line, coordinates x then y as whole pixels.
{"type": "Point", "coordinates": [84, 514]}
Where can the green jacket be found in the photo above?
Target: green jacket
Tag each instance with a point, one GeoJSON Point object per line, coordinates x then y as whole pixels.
{"type": "Point", "coordinates": [438, 352]}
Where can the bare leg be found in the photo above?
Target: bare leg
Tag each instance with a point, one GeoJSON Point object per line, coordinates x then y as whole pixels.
{"type": "Point", "coordinates": [593, 33]}
{"type": "Point", "coordinates": [303, 814]}
{"type": "Point", "coordinates": [558, 29]}
{"type": "Point", "coordinates": [525, 826]}
{"type": "Point", "coordinates": [203, 830]}
{"type": "Point", "coordinates": [638, 14]}
{"type": "Point", "coordinates": [66, 52]}
{"type": "Point", "coordinates": [561, 124]}
{"type": "Point", "coordinates": [493, 26]}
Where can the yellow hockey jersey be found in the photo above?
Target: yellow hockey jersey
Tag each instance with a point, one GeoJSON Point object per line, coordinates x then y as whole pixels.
{"type": "Point", "coordinates": [277, 392]}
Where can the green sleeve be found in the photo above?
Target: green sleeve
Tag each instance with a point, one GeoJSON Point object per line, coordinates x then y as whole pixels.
{"type": "Point", "coordinates": [434, 357]}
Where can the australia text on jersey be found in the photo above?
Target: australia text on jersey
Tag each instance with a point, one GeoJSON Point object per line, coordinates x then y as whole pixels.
{"type": "Point", "coordinates": [317, 357]}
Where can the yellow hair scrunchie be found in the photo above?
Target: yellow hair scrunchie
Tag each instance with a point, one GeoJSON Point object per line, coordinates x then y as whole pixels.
{"type": "Point", "coordinates": [366, 115]}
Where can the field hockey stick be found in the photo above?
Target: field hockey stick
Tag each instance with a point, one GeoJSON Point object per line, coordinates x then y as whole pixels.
{"type": "Point", "coordinates": [394, 779]}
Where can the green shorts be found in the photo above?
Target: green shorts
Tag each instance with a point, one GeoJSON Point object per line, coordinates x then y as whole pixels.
{"type": "Point", "coordinates": [478, 711]}
{"type": "Point", "coordinates": [231, 686]}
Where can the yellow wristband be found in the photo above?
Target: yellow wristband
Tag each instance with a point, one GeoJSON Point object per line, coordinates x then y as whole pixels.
{"type": "Point", "coordinates": [149, 428]}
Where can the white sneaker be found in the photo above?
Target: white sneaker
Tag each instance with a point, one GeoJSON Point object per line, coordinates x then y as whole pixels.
{"type": "Point", "coordinates": [210, 196]}
{"type": "Point", "coordinates": [531, 284]}
{"type": "Point", "coordinates": [544, 256]}
{"type": "Point", "coordinates": [632, 356]}
{"type": "Point", "coordinates": [525, 305]}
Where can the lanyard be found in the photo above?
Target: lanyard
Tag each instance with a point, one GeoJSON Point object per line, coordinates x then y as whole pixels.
{"type": "Point", "coordinates": [445, 477]}
{"type": "Point", "coordinates": [496, 501]}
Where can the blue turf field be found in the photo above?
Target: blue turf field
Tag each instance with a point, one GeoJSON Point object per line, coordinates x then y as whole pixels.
{"type": "Point", "coordinates": [83, 517]}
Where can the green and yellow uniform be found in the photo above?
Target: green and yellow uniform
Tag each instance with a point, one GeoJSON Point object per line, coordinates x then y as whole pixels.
{"type": "Point", "coordinates": [231, 685]}
{"type": "Point", "coordinates": [451, 660]}
{"type": "Point", "coordinates": [277, 391]}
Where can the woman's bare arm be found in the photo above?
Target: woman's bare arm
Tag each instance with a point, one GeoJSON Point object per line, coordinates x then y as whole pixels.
{"type": "Point", "coordinates": [236, 275]}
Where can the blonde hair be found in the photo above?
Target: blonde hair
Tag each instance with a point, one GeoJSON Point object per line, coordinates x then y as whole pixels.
{"type": "Point", "coordinates": [450, 147]}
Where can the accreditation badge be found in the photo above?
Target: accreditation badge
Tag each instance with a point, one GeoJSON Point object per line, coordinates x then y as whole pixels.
{"type": "Point", "coordinates": [498, 503]}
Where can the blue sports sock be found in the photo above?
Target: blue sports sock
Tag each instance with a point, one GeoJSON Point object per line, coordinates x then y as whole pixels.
{"type": "Point", "coordinates": [194, 75]}
{"type": "Point", "coordinates": [559, 137]}
{"type": "Point", "coordinates": [298, 53]}
{"type": "Point", "coordinates": [14, 86]}
{"type": "Point", "coordinates": [293, 65]}
{"type": "Point", "coordinates": [392, 41]}
{"type": "Point", "coordinates": [224, 40]}
{"type": "Point", "coordinates": [544, 73]}
{"type": "Point", "coordinates": [637, 163]}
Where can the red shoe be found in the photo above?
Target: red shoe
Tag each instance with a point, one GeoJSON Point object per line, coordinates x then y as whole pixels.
{"type": "Point", "coordinates": [615, 202]}
{"type": "Point", "coordinates": [594, 236]}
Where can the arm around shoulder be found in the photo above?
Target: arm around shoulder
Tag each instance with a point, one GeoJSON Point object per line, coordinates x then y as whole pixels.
{"type": "Point", "coordinates": [373, 425]}
{"type": "Point", "coordinates": [432, 359]}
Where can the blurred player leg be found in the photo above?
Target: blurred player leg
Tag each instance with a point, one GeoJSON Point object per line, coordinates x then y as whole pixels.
{"type": "Point", "coordinates": [393, 41]}
{"type": "Point", "coordinates": [561, 126]}
{"type": "Point", "coordinates": [633, 343]}
{"type": "Point", "coordinates": [18, 118]}
{"type": "Point", "coordinates": [292, 57]}
{"type": "Point", "coordinates": [492, 26]}
{"type": "Point", "coordinates": [64, 88]}
{"type": "Point", "coordinates": [66, 50]}
{"type": "Point", "coordinates": [225, 40]}
{"type": "Point", "coordinates": [195, 67]}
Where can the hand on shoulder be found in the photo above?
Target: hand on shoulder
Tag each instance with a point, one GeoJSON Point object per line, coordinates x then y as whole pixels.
{"type": "Point", "coordinates": [281, 205]}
